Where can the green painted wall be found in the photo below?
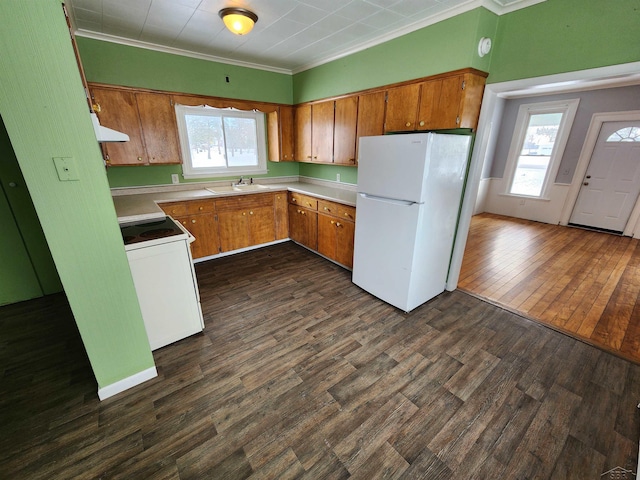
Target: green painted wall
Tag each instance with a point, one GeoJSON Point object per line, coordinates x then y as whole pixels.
{"type": "Point", "coordinates": [161, 174]}
{"type": "Point", "coordinates": [24, 254]}
{"type": "Point", "coordinates": [107, 62]}
{"type": "Point", "coordinates": [565, 35]}
{"type": "Point", "coordinates": [447, 45]}
{"type": "Point", "coordinates": [328, 172]}
{"type": "Point", "coordinates": [45, 113]}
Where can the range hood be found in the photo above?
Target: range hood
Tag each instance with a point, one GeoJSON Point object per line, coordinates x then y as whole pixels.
{"type": "Point", "coordinates": [104, 134]}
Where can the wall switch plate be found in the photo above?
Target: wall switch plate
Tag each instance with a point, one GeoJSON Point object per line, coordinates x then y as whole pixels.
{"type": "Point", "coordinates": [66, 169]}
{"type": "Point", "coordinates": [174, 178]}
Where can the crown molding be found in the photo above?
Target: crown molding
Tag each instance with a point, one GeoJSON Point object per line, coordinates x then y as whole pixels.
{"type": "Point", "coordinates": [176, 51]}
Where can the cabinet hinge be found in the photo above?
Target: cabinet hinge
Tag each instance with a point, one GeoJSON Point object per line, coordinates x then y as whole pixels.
{"type": "Point", "coordinates": [464, 83]}
{"type": "Point", "coordinates": [215, 217]}
{"type": "Point", "coordinates": [457, 119]}
{"type": "Point", "coordinates": [171, 101]}
{"type": "Point", "coordinates": [386, 97]}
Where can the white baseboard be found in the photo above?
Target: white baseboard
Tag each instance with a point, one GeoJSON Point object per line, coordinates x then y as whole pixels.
{"type": "Point", "coordinates": [126, 383]}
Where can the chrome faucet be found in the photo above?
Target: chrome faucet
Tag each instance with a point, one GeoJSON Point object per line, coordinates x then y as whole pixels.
{"type": "Point", "coordinates": [241, 181]}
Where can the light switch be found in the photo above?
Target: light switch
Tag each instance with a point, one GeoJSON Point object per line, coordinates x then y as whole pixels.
{"type": "Point", "coordinates": [66, 168]}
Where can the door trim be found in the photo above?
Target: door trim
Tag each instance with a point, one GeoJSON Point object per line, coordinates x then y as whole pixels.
{"type": "Point", "coordinates": [583, 164]}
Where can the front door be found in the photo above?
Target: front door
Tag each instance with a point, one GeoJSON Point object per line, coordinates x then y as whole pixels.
{"type": "Point", "coordinates": [611, 184]}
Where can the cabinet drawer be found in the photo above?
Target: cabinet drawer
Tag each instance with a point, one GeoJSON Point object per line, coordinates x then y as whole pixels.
{"type": "Point", "coordinates": [174, 208]}
{"type": "Point", "coordinates": [346, 212]}
{"type": "Point", "coordinates": [200, 206]}
{"type": "Point", "coordinates": [253, 200]}
{"type": "Point", "coordinates": [337, 209]}
{"type": "Point", "coordinates": [303, 200]}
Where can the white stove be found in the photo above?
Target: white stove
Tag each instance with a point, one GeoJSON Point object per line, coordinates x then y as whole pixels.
{"type": "Point", "coordinates": [162, 269]}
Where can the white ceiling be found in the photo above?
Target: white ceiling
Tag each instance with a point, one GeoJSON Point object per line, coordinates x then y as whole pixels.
{"type": "Point", "coordinates": [290, 35]}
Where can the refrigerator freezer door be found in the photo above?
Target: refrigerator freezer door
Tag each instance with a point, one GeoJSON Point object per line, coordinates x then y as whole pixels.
{"type": "Point", "coordinates": [394, 166]}
{"type": "Point", "coordinates": [384, 248]}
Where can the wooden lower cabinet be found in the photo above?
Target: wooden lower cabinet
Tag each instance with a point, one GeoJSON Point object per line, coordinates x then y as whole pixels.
{"type": "Point", "coordinates": [199, 218]}
{"type": "Point", "coordinates": [244, 221]}
{"type": "Point", "coordinates": [303, 226]}
{"type": "Point", "coordinates": [203, 227]}
{"type": "Point", "coordinates": [336, 229]}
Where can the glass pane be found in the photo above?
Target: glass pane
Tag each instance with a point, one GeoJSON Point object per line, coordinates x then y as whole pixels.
{"type": "Point", "coordinates": [533, 162]}
{"type": "Point", "coordinates": [206, 141]}
{"type": "Point", "coordinates": [241, 141]}
{"type": "Point", "coordinates": [628, 134]}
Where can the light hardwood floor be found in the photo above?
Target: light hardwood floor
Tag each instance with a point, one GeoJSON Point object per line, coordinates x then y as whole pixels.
{"type": "Point", "coordinates": [580, 282]}
{"type": "Point", "coordinates": [300, 374]}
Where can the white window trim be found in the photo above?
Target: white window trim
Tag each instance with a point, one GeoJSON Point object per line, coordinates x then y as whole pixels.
{"type": "Point", "coordinates": [189, 172]}
{"type": "Point", "coordinates": [568, 108]}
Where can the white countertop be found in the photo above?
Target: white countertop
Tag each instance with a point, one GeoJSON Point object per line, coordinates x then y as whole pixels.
{"type": "Point", "coordinates": [134, 205]}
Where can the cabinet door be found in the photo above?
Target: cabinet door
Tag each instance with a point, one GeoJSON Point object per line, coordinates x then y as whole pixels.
{"type": "Point", "coordinates": [281, 215]}
{"type": "Point", "coordinates": [370, 115]}
{"type": "Point", "coordinates": [471, 100]}
{"type": "Point", "coordinates": [203, 227]}
{"type": "Point", "coordinates": [345, 233]}
{"type": "Point", "coordinates": [344, 131]}
{"type": "Point", "coordinates": [447, 112]}
{"type": "Point", "coordinates": [234, 230]}
{"type": "Point", "coordinates": [158, 121]}
{"type": "Point", "coordinates": [118, 110]}
{"type": "Point", "coordinates": [429, 101]}
{"type": "Point", "coordinates": [286, 133]}
{"type": "Point", "coordinates": [302, 132]}
{"type": "Point", "coordinates": [322, 115]}
{"type": "Point", "coordinates": [303, 226]}
{"type": "Point", "coordinates": [327, 236]}
{"type": "Point", "coordinates": [261, 225]}
{"type": "Point", "coordinates": [280, 134]}
{"type": "Point", "coordinates": [402, 108]}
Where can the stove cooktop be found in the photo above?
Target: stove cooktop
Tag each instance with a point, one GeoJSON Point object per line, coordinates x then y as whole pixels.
{"type": "Point", "coordinates": [147, 231]}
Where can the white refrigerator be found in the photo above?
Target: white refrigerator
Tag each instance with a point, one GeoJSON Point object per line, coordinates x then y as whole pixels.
{"type": "Point", "coordinates": [409, 193]}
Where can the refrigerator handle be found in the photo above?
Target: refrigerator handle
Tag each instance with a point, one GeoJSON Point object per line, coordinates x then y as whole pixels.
{"type": "Point", "coordinates": [393, 201]}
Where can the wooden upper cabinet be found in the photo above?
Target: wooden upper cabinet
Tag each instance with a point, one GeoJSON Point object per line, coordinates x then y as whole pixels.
{"type": "Point", "coordinates": [118, 110]}
{"type": "Point", "coordinates": [322, 118]}
{"type": "Point", "coordinates": [302, 132]}
{"type": "Point", "coordinates": [370, 120]}
{"type": "Point", "coordinates": [280, 134]}
{"type": "Point", "coordinates": [159, 129]}
{"type": "Point", "coordinates": [402, 108]}
{"type": "Point", "coordinates": [344, 131]}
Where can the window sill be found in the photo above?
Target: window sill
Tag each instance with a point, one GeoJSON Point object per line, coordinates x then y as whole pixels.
{"type": "Point", "coordinates": [525, 197]}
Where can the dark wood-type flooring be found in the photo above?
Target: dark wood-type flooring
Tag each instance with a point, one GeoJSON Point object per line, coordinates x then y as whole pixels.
{"type": "Point", "coordinates": [581, 282]}
{"type": "Point", "coordinates": [300, 374]}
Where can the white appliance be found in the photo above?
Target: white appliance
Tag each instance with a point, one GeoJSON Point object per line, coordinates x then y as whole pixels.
{"type": "Point", "coordinates": [409, 193]}
{"type": "Point", "coordinates": [162, 269]}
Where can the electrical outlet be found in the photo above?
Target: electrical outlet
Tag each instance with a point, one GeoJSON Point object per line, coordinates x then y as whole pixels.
{"type": "Point", "coordinates": [174, 178]}
{"type": "Point", "coordinates": [338, 177]}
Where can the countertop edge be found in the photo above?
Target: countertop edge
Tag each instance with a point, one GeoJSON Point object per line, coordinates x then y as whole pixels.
{"type": "Point", "coordinates": [137, 207]}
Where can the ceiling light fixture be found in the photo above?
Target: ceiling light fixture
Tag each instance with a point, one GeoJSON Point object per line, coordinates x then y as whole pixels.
{"type": "Point", "coordinates": [238, 20]}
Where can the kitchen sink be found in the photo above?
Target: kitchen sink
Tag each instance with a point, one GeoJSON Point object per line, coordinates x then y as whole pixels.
{"type": "Point", "coordinates": [237, 188]}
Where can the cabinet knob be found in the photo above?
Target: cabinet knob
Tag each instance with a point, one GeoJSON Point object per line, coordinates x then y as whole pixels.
{"type": "Point", "coordinates": [302, 212]}
{"type": "Point", "coordinates": [421, 123]}
{"type": "Point", "coordinates": [244, 214]}
{"type": "Point", "coordinates": [308, 156]}
{"type": "Point", "coordinates": [315, 157]}
{"type": "Point", "coordinates": [309, 203]}
{"type": "Point", "coordinates": [586, 183]}
{"type": "Point", "coordinates": [332, 222]}
{"type": "Point", "coordinates": [293, 199]}
{"type": "Point", "coordinates": [408, 124]}
{"type": "Point", "coordinates": [346, 214]}
{"type": "Point", "coordinates": [139, 159]}
{"type": "Point", "coordinates": [327, 209]}
{"type": "Point", "coordinates": [250, 213]}
{"type": "Point", "coordinates": [201, 208]}
{"type": "Point", "coordinates": [184, 222]}
{"type": "Point", "coordinates": [193, 221]}
{"type": "Point", "coordinates": [338, 224]}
